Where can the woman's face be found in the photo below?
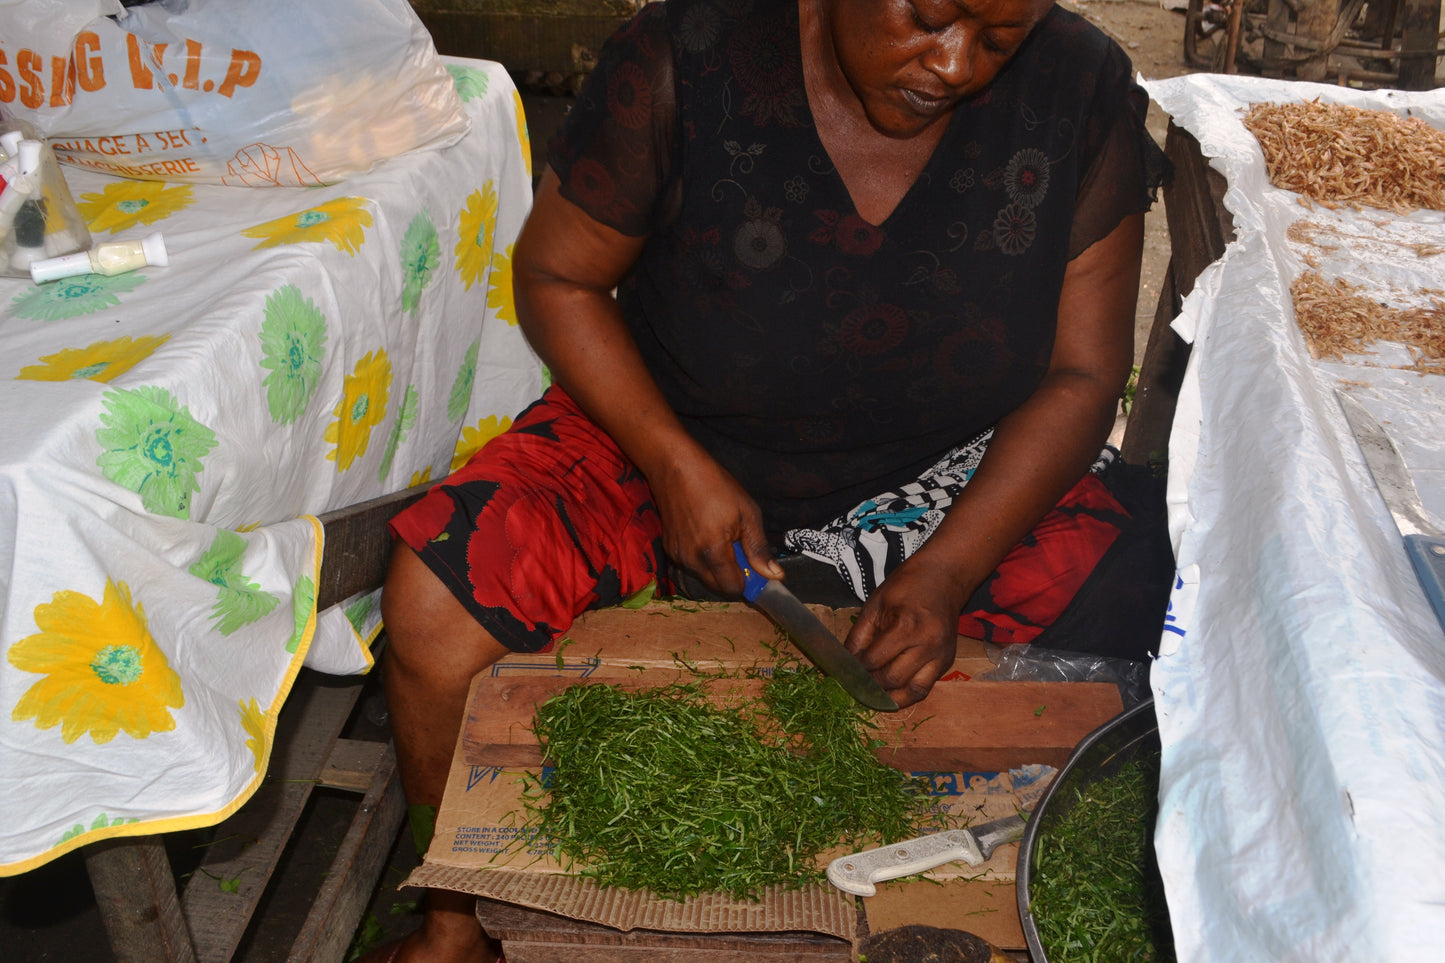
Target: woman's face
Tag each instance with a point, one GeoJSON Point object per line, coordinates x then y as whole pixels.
{"type": "Point", "coordinates": [910, 61]}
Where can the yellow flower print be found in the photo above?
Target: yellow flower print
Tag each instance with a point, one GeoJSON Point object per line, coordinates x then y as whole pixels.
{"type": "Point", "coordinates": [361, 408]}
{"type": "Point", "coordinates": [420, 477]}
{"type": "Point", "coordinates": [126, 204]}
{"type": "Point", "coordinates": [342, 221]}
{"type": "Point", "coordinates": [103, 672]}
{"type": "Point", "coordinates": [253, 720]}
{"type": "Point", "coordinates": [473, 439]}
{"type": "Point", "coordinates": [499, 294]}
{"type": "Point", "coordinates": [475, 234]}
{"type": "Point", "coordinates": [523, 137]}
{"type": "Point", "coordinates": [101, 361]}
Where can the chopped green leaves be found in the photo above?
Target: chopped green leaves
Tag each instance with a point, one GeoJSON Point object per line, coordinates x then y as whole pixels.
{"type": "Point", "coordinates": [1095, 892]}
{"type": "Point", "coordinates": [666, 791]}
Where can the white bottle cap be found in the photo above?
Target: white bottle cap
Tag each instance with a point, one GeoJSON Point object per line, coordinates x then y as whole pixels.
{"type": "Point", "coordinates": [55, 268]}
{"type": "Point", "coordinates": [29, 157]}
{"type": "Point", "coordinates": [153, 246]}
{"type": "Point", "coordinates": [10, 142]}
{"type": "Point", "coordinates": [22, 257]}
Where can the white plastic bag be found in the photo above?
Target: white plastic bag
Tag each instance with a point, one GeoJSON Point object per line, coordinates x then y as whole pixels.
{"type": "Point", "coordinates": [239, 92]}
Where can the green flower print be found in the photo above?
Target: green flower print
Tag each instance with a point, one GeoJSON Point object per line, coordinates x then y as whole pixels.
{"type": "Point", "coordinates": [461, 394]}
{"type": "Point", "coordinates": [154, 447]}
{"type": "Point", "coordinates": [405, 419]}
{"type": "Point", "coordinates": [72, 297]}
{"type": "Point", "coordinates": [421, 252]}
{"type": "Point", "coordinates": [100, 822]}
{"type": "Point", "coordinates": [358, 612]}
{"type": "Point", "coordinates": [303, 603]}
{"type": "Point", "coordinates": [293, 342]}
{"type": "Point", "coordinates": [240, 601]}
{"type": "Point", "coordinates": [470, 82]}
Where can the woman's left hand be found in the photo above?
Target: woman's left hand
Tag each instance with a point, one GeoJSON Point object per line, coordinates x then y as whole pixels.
{"type": "Point", "coordinates": [907, 633]}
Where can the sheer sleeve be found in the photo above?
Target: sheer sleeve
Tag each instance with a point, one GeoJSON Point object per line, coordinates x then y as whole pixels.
{"type": "Point", "coordinates": [615, 153]}
{"type": "Point", "coordinates": [1124, 167]}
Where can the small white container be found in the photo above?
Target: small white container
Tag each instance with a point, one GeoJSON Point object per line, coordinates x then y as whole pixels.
{"type": "Point", "coordinates": [110, 257]}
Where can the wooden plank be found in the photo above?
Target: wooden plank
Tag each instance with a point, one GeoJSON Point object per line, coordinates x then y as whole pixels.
{"type": "Point", "coordinates": [1200, 227]}
{"type": "Point", "coordinates": [543, 952]}
{"type": "Point", "coordinates": [353, 764]}
{"type": "Point", "coordinates": [1156, 393]}
{"type": "Point", "coordinates": [135, 891]}
{"type": "Point", "coordinates": [551, 10]}
{"type": "Point", "coordinates": [1419, 43]}
{"type": "Point", "coordinates": [336, 912]}
{"type": "Point", "coordinates": [523, 44]}
{"type": "Point", "coordinates": [222, 894]}
{"type": "Point", "coordinates": [535, 936]}
{"type": "Point", "coordinates": [358, 545]}
{"type": "Point", "coordinates": [1199, 230]}
{"type": "Point", "coordinates": [961, 727]}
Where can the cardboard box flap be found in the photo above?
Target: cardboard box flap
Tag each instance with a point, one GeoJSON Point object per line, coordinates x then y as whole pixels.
{"type": "Point", "coordinates": [811, 909]}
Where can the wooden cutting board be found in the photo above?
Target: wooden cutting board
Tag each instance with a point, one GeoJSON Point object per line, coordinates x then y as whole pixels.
{"type": "Point", "coordinates": [964, 726]}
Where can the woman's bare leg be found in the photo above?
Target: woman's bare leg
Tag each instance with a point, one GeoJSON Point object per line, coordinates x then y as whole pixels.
{"type": "Point", "coordinates": [434, 649]}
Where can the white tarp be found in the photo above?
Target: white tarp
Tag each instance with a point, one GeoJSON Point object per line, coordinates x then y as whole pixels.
{"type": "Point", "coordinates": [1301, 690]}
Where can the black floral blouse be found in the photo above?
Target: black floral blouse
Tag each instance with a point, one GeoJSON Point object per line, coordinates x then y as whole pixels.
{"type": "Point", "coordinates": [821, 358]}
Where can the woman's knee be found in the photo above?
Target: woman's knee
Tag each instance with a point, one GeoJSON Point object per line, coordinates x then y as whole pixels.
{"type": "Point", "coordinates": [428, 629]}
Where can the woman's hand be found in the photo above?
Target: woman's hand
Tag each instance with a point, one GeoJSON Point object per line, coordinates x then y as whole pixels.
{"type": "Point", "coordinates": [907, 633]}
{"type": "Point", "coordinates": [565, 268]}
{"type": "Point", "coordinates": [704, 510]}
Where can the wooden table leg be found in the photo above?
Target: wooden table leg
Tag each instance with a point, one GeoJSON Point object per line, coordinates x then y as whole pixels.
{"type": "Point", "coordinates": [135, 891]}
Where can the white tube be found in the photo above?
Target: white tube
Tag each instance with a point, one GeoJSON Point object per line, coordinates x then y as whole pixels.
{"type": "Point", "coordinates": [111, 257]}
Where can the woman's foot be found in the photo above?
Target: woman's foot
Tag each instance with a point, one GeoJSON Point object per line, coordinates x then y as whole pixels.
{"type": "Point", "coordinates": [449, 933]}
{"type": "Point", "coordinates": [414, 947]}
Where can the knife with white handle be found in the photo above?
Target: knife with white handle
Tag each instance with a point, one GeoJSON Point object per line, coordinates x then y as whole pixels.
{"type": "Point", "coordinates": [1423, 542]}
{"type": "Point", "coordinates": [858, 873]}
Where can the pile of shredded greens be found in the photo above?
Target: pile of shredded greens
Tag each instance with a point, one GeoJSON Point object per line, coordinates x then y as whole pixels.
{"type": "Point", "coordinates": [667, 791]}
{"type": "Point", "coordinates": [1095, 893]}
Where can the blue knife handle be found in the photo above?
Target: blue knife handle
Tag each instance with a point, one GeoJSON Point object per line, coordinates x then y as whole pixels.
{"type": "Point", "coordinates": [1427, 554]}
{"type": "Point", "coordinates": [753, 582]}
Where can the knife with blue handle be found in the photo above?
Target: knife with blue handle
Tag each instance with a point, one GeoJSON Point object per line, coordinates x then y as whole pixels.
{"type": "Point", "coordinates": [811, 636]}
{"type": "Point", "coordinates": [1423, 542]}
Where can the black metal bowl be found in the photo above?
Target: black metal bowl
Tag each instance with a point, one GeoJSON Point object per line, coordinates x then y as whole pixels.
{"type": "Point", "coordinates": [1125, 738]}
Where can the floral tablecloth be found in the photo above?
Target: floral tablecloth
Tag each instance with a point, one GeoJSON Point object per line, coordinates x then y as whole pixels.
{"type": "Point", "coordinates": [168, 436]}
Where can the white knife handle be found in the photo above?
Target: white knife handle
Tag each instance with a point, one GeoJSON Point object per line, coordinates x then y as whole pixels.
{"type": "Point", "coordinates": [856, 874]}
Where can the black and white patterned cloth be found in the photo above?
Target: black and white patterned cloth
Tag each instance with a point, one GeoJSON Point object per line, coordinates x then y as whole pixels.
{"type": "Point", "coordinates": [868, 542]}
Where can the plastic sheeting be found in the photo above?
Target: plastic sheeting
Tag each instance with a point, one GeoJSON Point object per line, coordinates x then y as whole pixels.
{"type": "Point", "coordinates": [1301, 685]}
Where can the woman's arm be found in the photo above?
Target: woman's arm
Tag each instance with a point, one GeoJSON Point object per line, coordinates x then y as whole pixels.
{"type": "Point", "coordinates": [565, 268]}
{"type": "Point", "coordinates": [907, 632]}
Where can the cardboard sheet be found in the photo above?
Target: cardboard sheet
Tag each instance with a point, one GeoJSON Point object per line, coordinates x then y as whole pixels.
{"type": "Point", "coordinates": [480, 846]}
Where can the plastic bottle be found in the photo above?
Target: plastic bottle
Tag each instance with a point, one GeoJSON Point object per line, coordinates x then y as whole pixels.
{"type": "Point", "coordinates": [21, 174]}
{"type": "Point", "coordinates": [38, 216]}
{"type": "Point", "coordinates": [110, 257]}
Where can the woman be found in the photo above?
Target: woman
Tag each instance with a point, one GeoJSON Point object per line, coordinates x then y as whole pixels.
{"type": "Point", "coordinates": [846, 238]}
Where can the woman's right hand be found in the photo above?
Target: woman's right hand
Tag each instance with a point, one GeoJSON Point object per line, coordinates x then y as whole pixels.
{"type": "Point", "coordinates": [565, 268]}
{"type": "Point", "coordinates": [704, 510]}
